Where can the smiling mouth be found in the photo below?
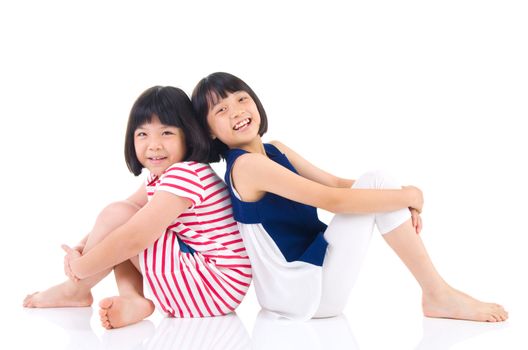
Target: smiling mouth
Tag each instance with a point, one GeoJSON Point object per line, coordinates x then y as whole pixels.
{"type": "Point", "coordinates": [242, 124]}
{"type": "Point", "coordinates": [156, 159]}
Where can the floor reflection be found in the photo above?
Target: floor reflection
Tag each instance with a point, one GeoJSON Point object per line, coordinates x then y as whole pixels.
{"type": "Point", "coordinates": [133, 337]}
{"type": "Point", "coordinates": [74, 332]}
{"type": "Point", "coordinates": [71, 328]}
{"type": "Point", "coordinates": [276, 333]}
{"type": "Point", "coordinates": [75, 322]}
{"type": "Point", "coordinates": [210, 333]}
{"type": "Point", "coordinates": [442, 334]}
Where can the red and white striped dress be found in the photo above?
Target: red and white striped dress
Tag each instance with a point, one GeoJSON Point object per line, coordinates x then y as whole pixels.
{"type": "Point", "coordinates": [212, 280]}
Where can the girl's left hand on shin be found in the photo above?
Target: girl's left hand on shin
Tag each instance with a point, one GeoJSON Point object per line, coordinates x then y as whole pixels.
{"type": "Point", "coordinates": [71, 254]}
{"type": "Point", "coordinates": [416, 220]}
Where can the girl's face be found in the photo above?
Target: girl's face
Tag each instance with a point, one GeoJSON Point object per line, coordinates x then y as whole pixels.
{"type": "Point", "coordinates": [158, 146]}
{"type": "Point", "coordinates": [234, 120]}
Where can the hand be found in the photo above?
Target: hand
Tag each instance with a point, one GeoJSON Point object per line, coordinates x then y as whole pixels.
{"type": "Point", "coordinates": [78, 248]}
{"type": "Point", "coordinates": [416, 197]}
{"type": "Point", "coordinates": [71, 254]}
{"type": "Point", "coordinates": [416, 220]}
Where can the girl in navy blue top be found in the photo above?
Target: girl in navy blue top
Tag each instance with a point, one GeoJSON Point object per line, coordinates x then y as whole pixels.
{"type": "Point", "coordinates": [301, 268]}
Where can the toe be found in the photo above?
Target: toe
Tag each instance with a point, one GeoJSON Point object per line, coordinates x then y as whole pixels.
{"type": "Point", "coordinates": [504, 315]}
{"type": "Point", "coordinates": [106, 303]}
{"type": "Point", "coordinates": [28, 300]}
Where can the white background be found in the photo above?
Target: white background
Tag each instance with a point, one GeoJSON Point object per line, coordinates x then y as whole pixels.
{"type": "Point", "coordinates": [434, 92]}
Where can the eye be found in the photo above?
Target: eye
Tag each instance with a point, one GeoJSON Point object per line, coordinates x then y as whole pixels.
{"type": "Point", "coordinates": [168, 132]}
{"type": "Point", "coordinates": [243, 98]}
{"type": "Point", "coordinates": [141, 134]}
{"type": "Point", "coordinates": [221, 110]}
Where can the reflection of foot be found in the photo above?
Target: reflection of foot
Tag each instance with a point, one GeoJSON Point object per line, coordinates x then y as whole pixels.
{"type": "Point", "coordinates": [71, 318]}
{"type": "Point", "coordinates": [122, 311]}
{"type": "Point", "coordinates": [131, 337]}
{"type": "Point", "coordinates": [443, 334]}
{"type": "Point", "coordinates": [68, 325]}
{"type": "Point", "coordinates": [452, 303]}
{"type": "Point", "coordinates": [61, 295]}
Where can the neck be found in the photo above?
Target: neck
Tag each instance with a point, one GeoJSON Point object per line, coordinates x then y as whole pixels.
{"type": "Point", "coordinates": [256, 146]}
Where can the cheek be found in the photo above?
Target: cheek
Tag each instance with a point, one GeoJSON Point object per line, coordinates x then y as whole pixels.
{"type": "Point", "coordinates": [183, 147]}
{"type": "Point", "coordinates": [137, 146]}
{"type": "Point", "coordinates": [213, 124]}
{"type": "Point", "coordinates": [222, 126]}
{"type": "Point", "coordinates": [179, 149]}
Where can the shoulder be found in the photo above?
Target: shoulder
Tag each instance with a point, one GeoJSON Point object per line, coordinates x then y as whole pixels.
{"type": "Point", "coordinates": [186, 179]}
{"type": "Point", "coordinates": [250, 160]}
{"type": "Point", "coordinates": [290, 154]}
{"type": "Point", "coordinates": [186, 170]}
{"type": "Point", "coordinates": [187, 167]}
{"type": "Point", "coordinates": [279, 145]}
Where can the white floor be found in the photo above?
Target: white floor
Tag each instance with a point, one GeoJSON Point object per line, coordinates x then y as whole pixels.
{"type": "Point", "coordinates": [435, 91]}
{"type": "Point", "coordinates": [77, 328]}
{"type": "Point", "coordinates": [383, 313]}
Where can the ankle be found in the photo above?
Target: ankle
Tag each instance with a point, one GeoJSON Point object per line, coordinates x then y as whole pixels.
{"type": "Point", "coordinates": [436, 291]}
{"type": "Point", "coordinates": [75, 289]}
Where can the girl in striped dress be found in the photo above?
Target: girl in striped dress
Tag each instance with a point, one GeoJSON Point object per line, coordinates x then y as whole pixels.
{"type": "Point", "coordinates": [303, 268]}
{"type": "Point", "coordinates": [177, 229]}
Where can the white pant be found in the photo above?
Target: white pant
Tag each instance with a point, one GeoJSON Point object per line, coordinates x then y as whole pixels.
{"type": "Point", "coordinates": [348, 237]}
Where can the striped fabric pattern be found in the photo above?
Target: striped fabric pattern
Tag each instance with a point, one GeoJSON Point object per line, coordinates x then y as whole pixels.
{"type": "Point", "coordinates": [212, 280]}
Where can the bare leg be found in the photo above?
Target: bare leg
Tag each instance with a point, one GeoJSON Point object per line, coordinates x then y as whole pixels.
{"type": "Point", "coordinates": [76, 294]}
{"type": "Point", "coordinates": [348, 236]}
{"type": "Point", "coordinates": [130, 306]}
{"type": "Point", "coordinates": [439, 299]}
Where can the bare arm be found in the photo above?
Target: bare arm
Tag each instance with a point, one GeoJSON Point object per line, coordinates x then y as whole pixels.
{"type": "Point", "coordinates": [128, 240]}
{"type": "Point", "coordinates": [139, 198]}
{"type": "Point", "coordinates": [254, 174]}
{"type": "Point", "coordinates": [310, 171]}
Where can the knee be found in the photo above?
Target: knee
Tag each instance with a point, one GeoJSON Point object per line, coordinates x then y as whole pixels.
{"type": "Point", "coordinates": [377, 179]}
{"type": "Point", "coordinates": [117, 213]}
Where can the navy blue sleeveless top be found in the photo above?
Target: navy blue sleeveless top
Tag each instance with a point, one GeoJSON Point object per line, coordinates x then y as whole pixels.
{"type": "Point", "coordinates": [294, 227]}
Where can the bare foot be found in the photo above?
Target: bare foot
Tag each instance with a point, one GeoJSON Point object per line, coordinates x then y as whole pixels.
{"type": "Point", "coordinates": [452, 303]}
{"type": "Point", "coordinates": [60, 295]}
{"type": "Point", "coordinates": [122, 311]}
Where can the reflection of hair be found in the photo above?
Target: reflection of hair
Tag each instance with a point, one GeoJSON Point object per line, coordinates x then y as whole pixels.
{"type": "Point", "coordinates": [173, 107]}
{"type": "Point", "coordinates": [212, 88]}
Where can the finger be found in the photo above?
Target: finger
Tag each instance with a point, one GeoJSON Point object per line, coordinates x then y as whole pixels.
{"type": "Point", "coordinates": [67, 249]}
{"type": "Point", "coordinates": [72, 277]}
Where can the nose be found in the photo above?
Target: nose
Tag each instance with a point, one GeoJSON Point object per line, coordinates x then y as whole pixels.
{"type": "Point", "coordinates": [237, 112]}
{"type": "Point", "coordinates": [155, 144]}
